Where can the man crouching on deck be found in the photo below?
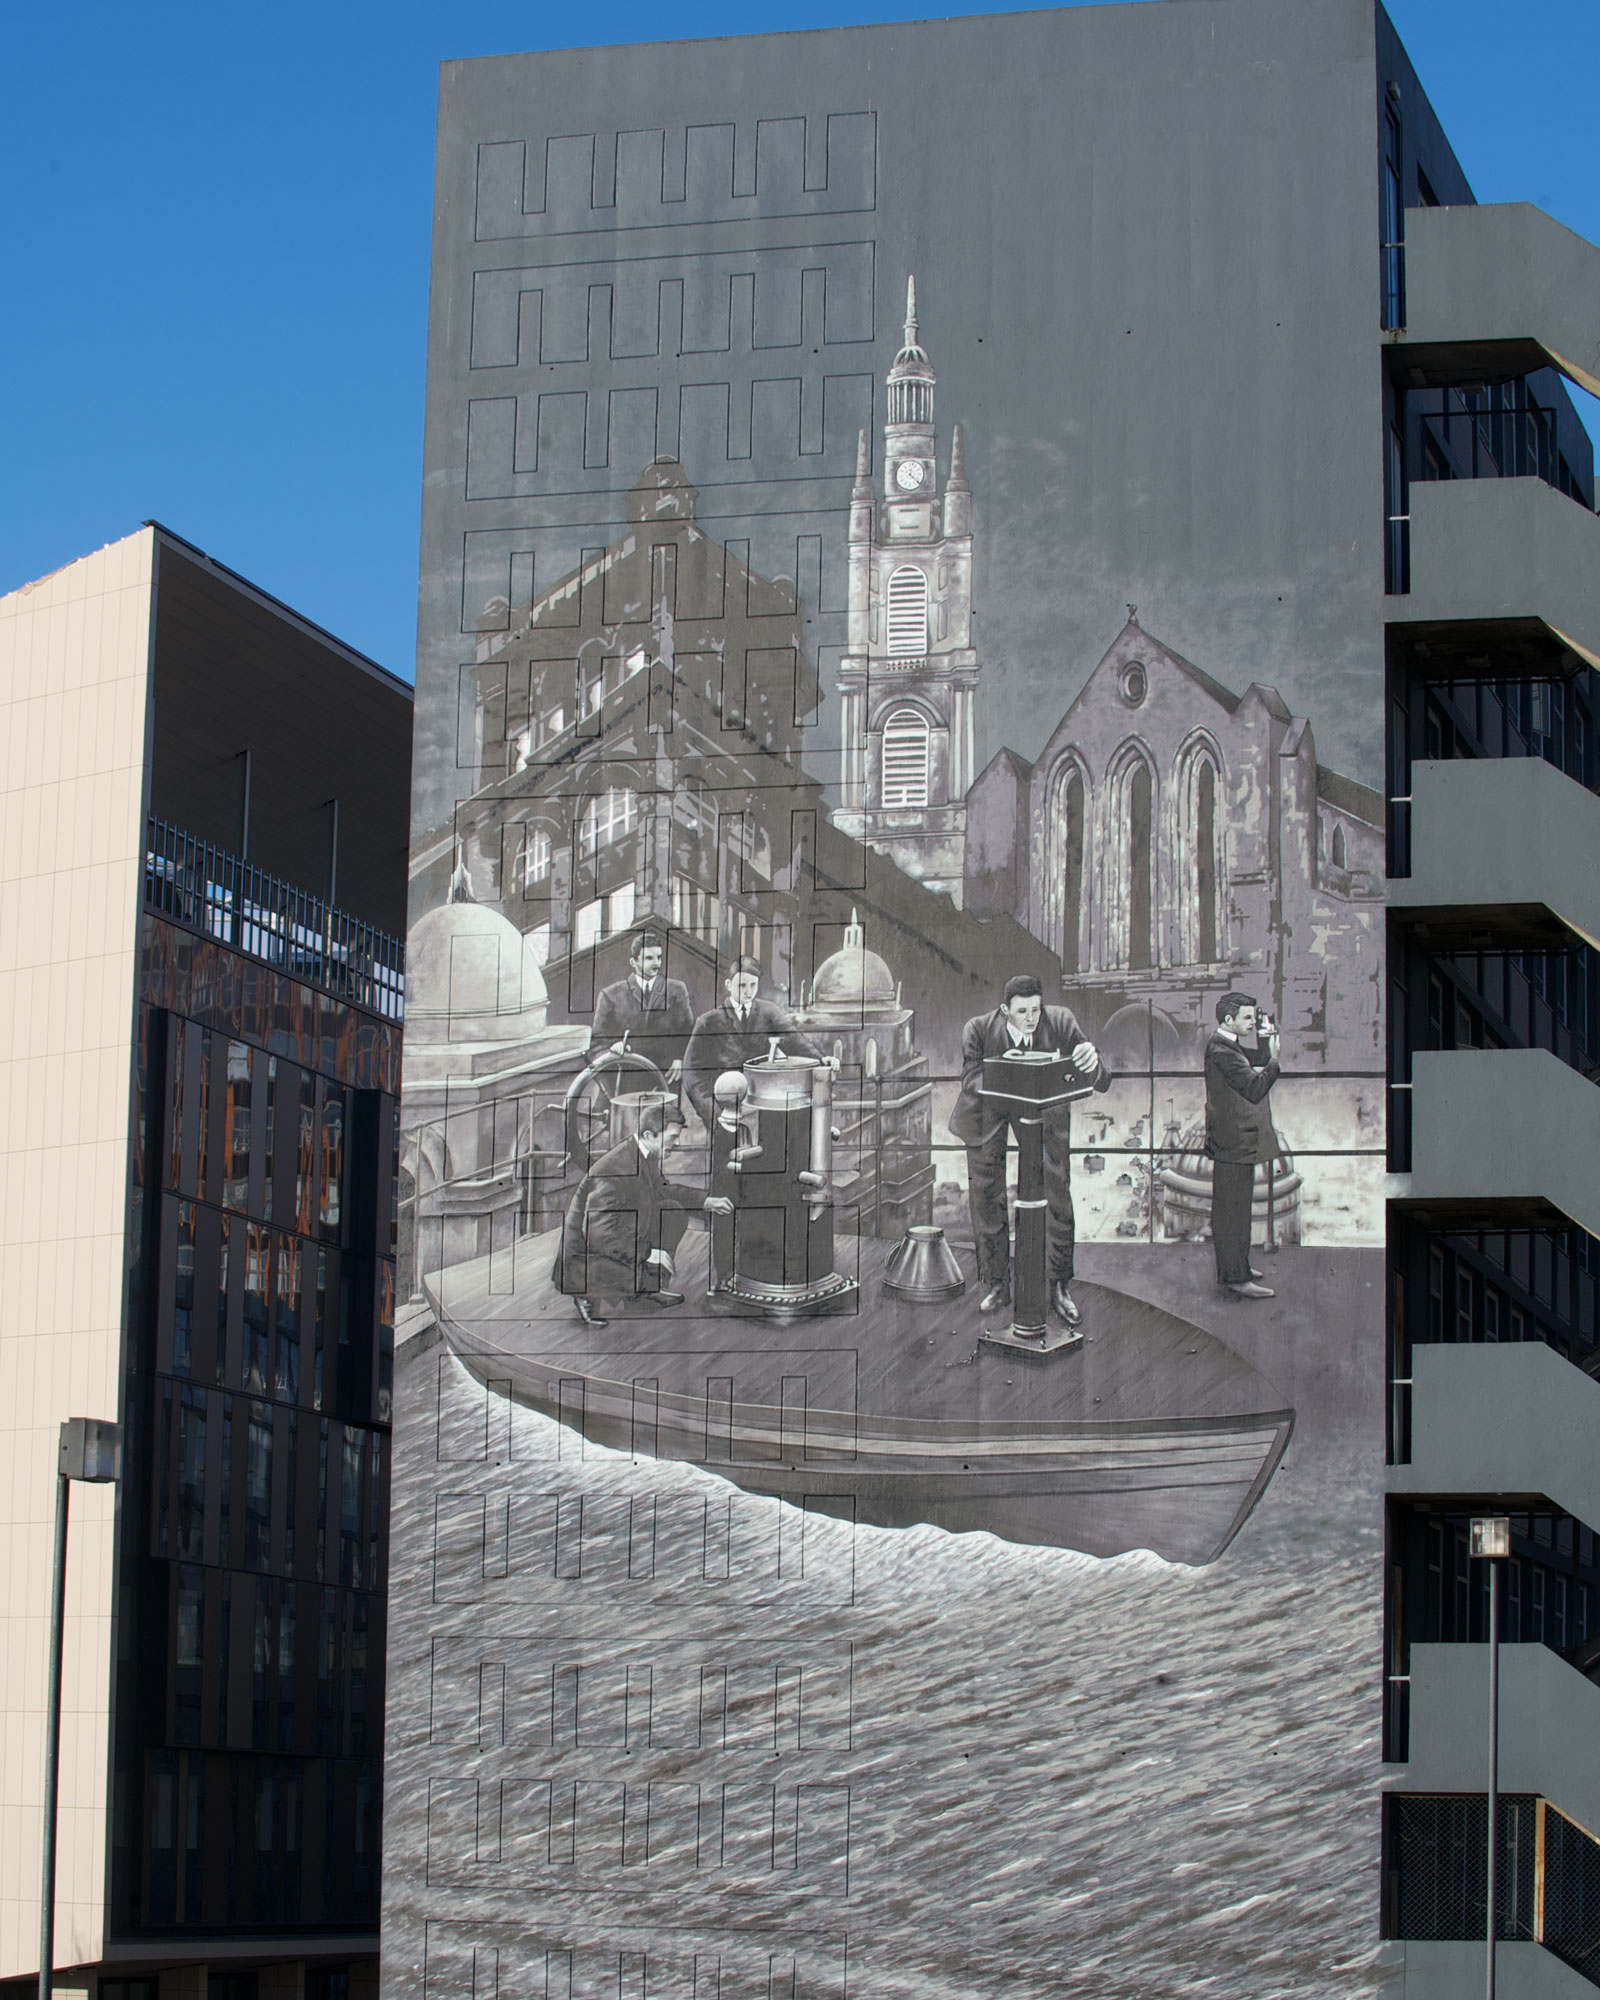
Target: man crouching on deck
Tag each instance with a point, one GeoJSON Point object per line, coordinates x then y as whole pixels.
{"type": "Point", "coordinates": [1021, 1021]}
{"type": "Point", "coordinates": [625, 1222]}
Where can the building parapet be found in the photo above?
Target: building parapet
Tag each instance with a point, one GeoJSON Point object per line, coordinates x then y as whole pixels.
{"type": "Point", "coordinates": [206, 889]}
{"type": "Point", "coordinates": [1512, 554]}
{"type": "Point", "coordinates": [1537, 1445]}
{"type": "Point", "coordinates": [1444, 1969]}
{"type": "Point", "coordinates": [1511, 1126]}
{"type": "Point", "coordinates": [1499, 289]}
{"type": "Point", "coordinates": [1501, 837]}
{"type": "Point", "coordinates": [1546, 1706]}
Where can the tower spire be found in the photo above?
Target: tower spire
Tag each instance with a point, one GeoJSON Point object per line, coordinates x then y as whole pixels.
{"type": "Point", "coordinates": [911, 309]}
{"type": "Point", "coordinates": [958, 460]}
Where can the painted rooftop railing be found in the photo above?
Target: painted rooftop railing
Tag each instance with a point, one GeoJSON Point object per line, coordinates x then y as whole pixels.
{"type": "Point", "coordinates": [208, 890]}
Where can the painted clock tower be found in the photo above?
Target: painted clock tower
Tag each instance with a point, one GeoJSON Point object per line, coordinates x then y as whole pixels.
{"type": "Point", "coordinates": [909, 674]}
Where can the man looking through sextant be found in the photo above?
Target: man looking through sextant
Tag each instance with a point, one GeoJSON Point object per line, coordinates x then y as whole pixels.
{"type": "Point", "coordinates": [1021, 1021]}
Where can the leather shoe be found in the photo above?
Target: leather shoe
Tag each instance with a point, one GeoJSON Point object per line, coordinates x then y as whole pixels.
{"type": "Point", "coordinates": [996, 1297]}
{"type": "Point", "coordinates": [659, 1301]}
{"type": "Point", "coordinates": [1257, 1275]}
{"type": "Point", "coordinates": [1251, 1290]}
{"type": "Point", "coordinates": [588, 1314]}
{"type": "Point", "coordinates": [1066, 1307]}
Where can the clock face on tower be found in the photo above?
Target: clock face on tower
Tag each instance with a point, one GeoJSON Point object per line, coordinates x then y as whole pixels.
{"type": "Point", "coordinates": [910, 474]}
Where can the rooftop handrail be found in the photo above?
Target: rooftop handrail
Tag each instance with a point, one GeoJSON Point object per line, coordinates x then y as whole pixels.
{"type": "Point", "coordinates": [206, 889]}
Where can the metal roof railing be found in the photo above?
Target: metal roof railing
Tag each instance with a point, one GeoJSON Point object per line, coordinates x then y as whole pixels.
{"type": "Point", "coordinates": [208, 890]}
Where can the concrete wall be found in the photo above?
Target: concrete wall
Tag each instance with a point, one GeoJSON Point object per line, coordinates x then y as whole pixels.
{"type": "Point", "coordinates": [1511, 833]}
{"type": "Point", "coordinates": [1448, 1971]}
{"type": "Point", "coordinates": [74, 682]}
{"type": "Point", "coordinates": [1504, 550]}
{"type": "Point", "coordinates": [1505, 1125]}
{"type": "Point", "coordinates": [1539, 1439]}
{"type": "Point", "coordinates": [1504, 273]}
{"type": "Point", "coordinates": [1546, 1708]}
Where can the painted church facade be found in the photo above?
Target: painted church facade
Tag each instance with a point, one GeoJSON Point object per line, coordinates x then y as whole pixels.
{"type": "Point", "coordinates": [1172, 839]}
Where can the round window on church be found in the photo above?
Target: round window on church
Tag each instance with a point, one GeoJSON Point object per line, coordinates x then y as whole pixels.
{"type": "Point", "coordinates": [1134, 683]}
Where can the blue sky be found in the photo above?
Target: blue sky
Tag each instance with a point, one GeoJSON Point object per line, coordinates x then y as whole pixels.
{"type": "Point", "coordinates": [217, 249]}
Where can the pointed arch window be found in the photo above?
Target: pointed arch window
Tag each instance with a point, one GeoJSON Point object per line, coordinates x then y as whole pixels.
{"type": "Point", "coordinates": [905, 759]}
{"type": "Point", "coordinates": [908, 613]}
{"type": "Point", "coordinates": [1205, 856]}
{"type": "Point", "coordinates": [1073, 853]}
{"type": "Point", "coordinates": [1338, 855]}
{"type": "Point", "coordinates": [1141, 955]}
{"type": "Point", "coordinates": [1128, 907]}
{"type": "Point", "coordinates": [1201, 927]}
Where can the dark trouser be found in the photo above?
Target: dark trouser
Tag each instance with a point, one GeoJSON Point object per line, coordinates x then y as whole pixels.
{"type": "Point", "coordinates": [1232, 1190]}
{"type": "Point", "coordinates": [601, 1274]}
{"type": "Point", "coordinates": [986, 1202]}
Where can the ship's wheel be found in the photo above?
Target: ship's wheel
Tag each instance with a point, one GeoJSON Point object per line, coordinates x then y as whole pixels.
{"type": "Point", "coordinates": [588, 1109]}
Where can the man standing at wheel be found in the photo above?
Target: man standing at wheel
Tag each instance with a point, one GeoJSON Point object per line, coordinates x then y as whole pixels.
{"type": "Point", "coordinates": [654, 1013]}
{"type": "Point", "coordinates": [731, 1035]}
{"type": "Point", "coordinates": [1022, 1021]}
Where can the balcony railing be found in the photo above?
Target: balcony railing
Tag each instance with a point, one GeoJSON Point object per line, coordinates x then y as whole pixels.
{"type": "Point", "coordinates": [1499, 432]}
{"type": "Point", "coordinates": [206, 889]}
{"type": "Point", "coordinates": [1486, 1285]}
{"type": "Point", "coordinates": [1488, 718]}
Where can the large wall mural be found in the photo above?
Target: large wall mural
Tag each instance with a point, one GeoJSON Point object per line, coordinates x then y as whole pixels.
{"type": "Point", "coordinates": [889, 1214]}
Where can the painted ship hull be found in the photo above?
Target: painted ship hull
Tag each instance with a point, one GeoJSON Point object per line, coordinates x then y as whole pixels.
{"type": "Point", "coordinates": [1152, 1435]}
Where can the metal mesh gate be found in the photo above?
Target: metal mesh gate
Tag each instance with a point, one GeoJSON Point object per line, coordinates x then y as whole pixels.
{"type": "Point", "coordinates": [1439, 1860]}
{"type": "Point", "coordinates": [1570, 1902]}
{"type": "Point", "coordinates": [1548, 1888]}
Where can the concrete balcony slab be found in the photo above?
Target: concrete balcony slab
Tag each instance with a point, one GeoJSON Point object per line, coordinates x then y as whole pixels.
{"type": "Point", "coordinates": [1509, 1425]}
{"type": "Point", "coordinates": [1506, 1126]}
{"type": "Point", "coordinates": [1512, 555]}
{"type": "Point", "coordinates": [1504, 838]}
{"type": "Point", "coordinates": [1546, 1708]}
{"type": "Point", "coordinates": [1449, 1971]}
{"type": "Point", "coordinates": [1497, 290]}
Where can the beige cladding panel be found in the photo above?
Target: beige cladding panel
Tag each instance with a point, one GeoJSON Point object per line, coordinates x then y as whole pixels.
{"type": "Point", "coordinates": [74, 651]}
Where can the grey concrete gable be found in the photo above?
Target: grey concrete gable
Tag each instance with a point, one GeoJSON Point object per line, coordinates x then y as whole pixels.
{"type": "Point", "coordinates": [1503, 275]}
{"type": "Point", "coordinates": [1505, 1125]}
{"type": "Point", "coordinates": [1503, 1421]}
{"type": "Point", "coordinates": [1509, 834]}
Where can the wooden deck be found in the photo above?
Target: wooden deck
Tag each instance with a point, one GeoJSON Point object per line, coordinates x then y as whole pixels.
{"type": "Point", "coordinates": [1150, 1434]}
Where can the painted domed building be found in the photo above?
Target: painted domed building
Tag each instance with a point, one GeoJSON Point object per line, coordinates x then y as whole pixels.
{"type": "Point", "coordinates": [485, 1076]}
{"type": "Point", "coordinates": [883, 1097]}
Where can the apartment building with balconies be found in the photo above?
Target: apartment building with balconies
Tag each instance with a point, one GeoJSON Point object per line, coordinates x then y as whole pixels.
{"type": "Point", "coordinates": [1493, 634]}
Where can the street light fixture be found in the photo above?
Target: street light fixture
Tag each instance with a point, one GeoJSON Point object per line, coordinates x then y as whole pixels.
{"type": "Point", "coordinates": [89, 1450]}
{"type": "Point", "coordinates": [1490, 1541]}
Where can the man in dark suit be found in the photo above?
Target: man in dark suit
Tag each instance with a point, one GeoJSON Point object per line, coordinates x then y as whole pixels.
{"type": "Point", "coordinates": [624, 1223]}
{"type": "Point", "coordinates": [1238, 1133]}
{"type": "Point", "coordinates": [654, 1012]}
{"type": "Point", "coordinates": [1021, 1021]}
{"type": "Point", "coordinates": [729, 1036]}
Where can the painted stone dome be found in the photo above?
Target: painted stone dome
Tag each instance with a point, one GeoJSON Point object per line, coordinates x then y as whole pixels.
{"type": "Point", "coordinates": [854, 981]}
{"type": "Point", "coordinates": [471, 976]}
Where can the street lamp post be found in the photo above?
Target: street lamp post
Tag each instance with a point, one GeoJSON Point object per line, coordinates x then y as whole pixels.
{"type": "Point", "coordinates": [89, 1450]}
{"type": "Point", "coordinates": [1490, 1541]}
